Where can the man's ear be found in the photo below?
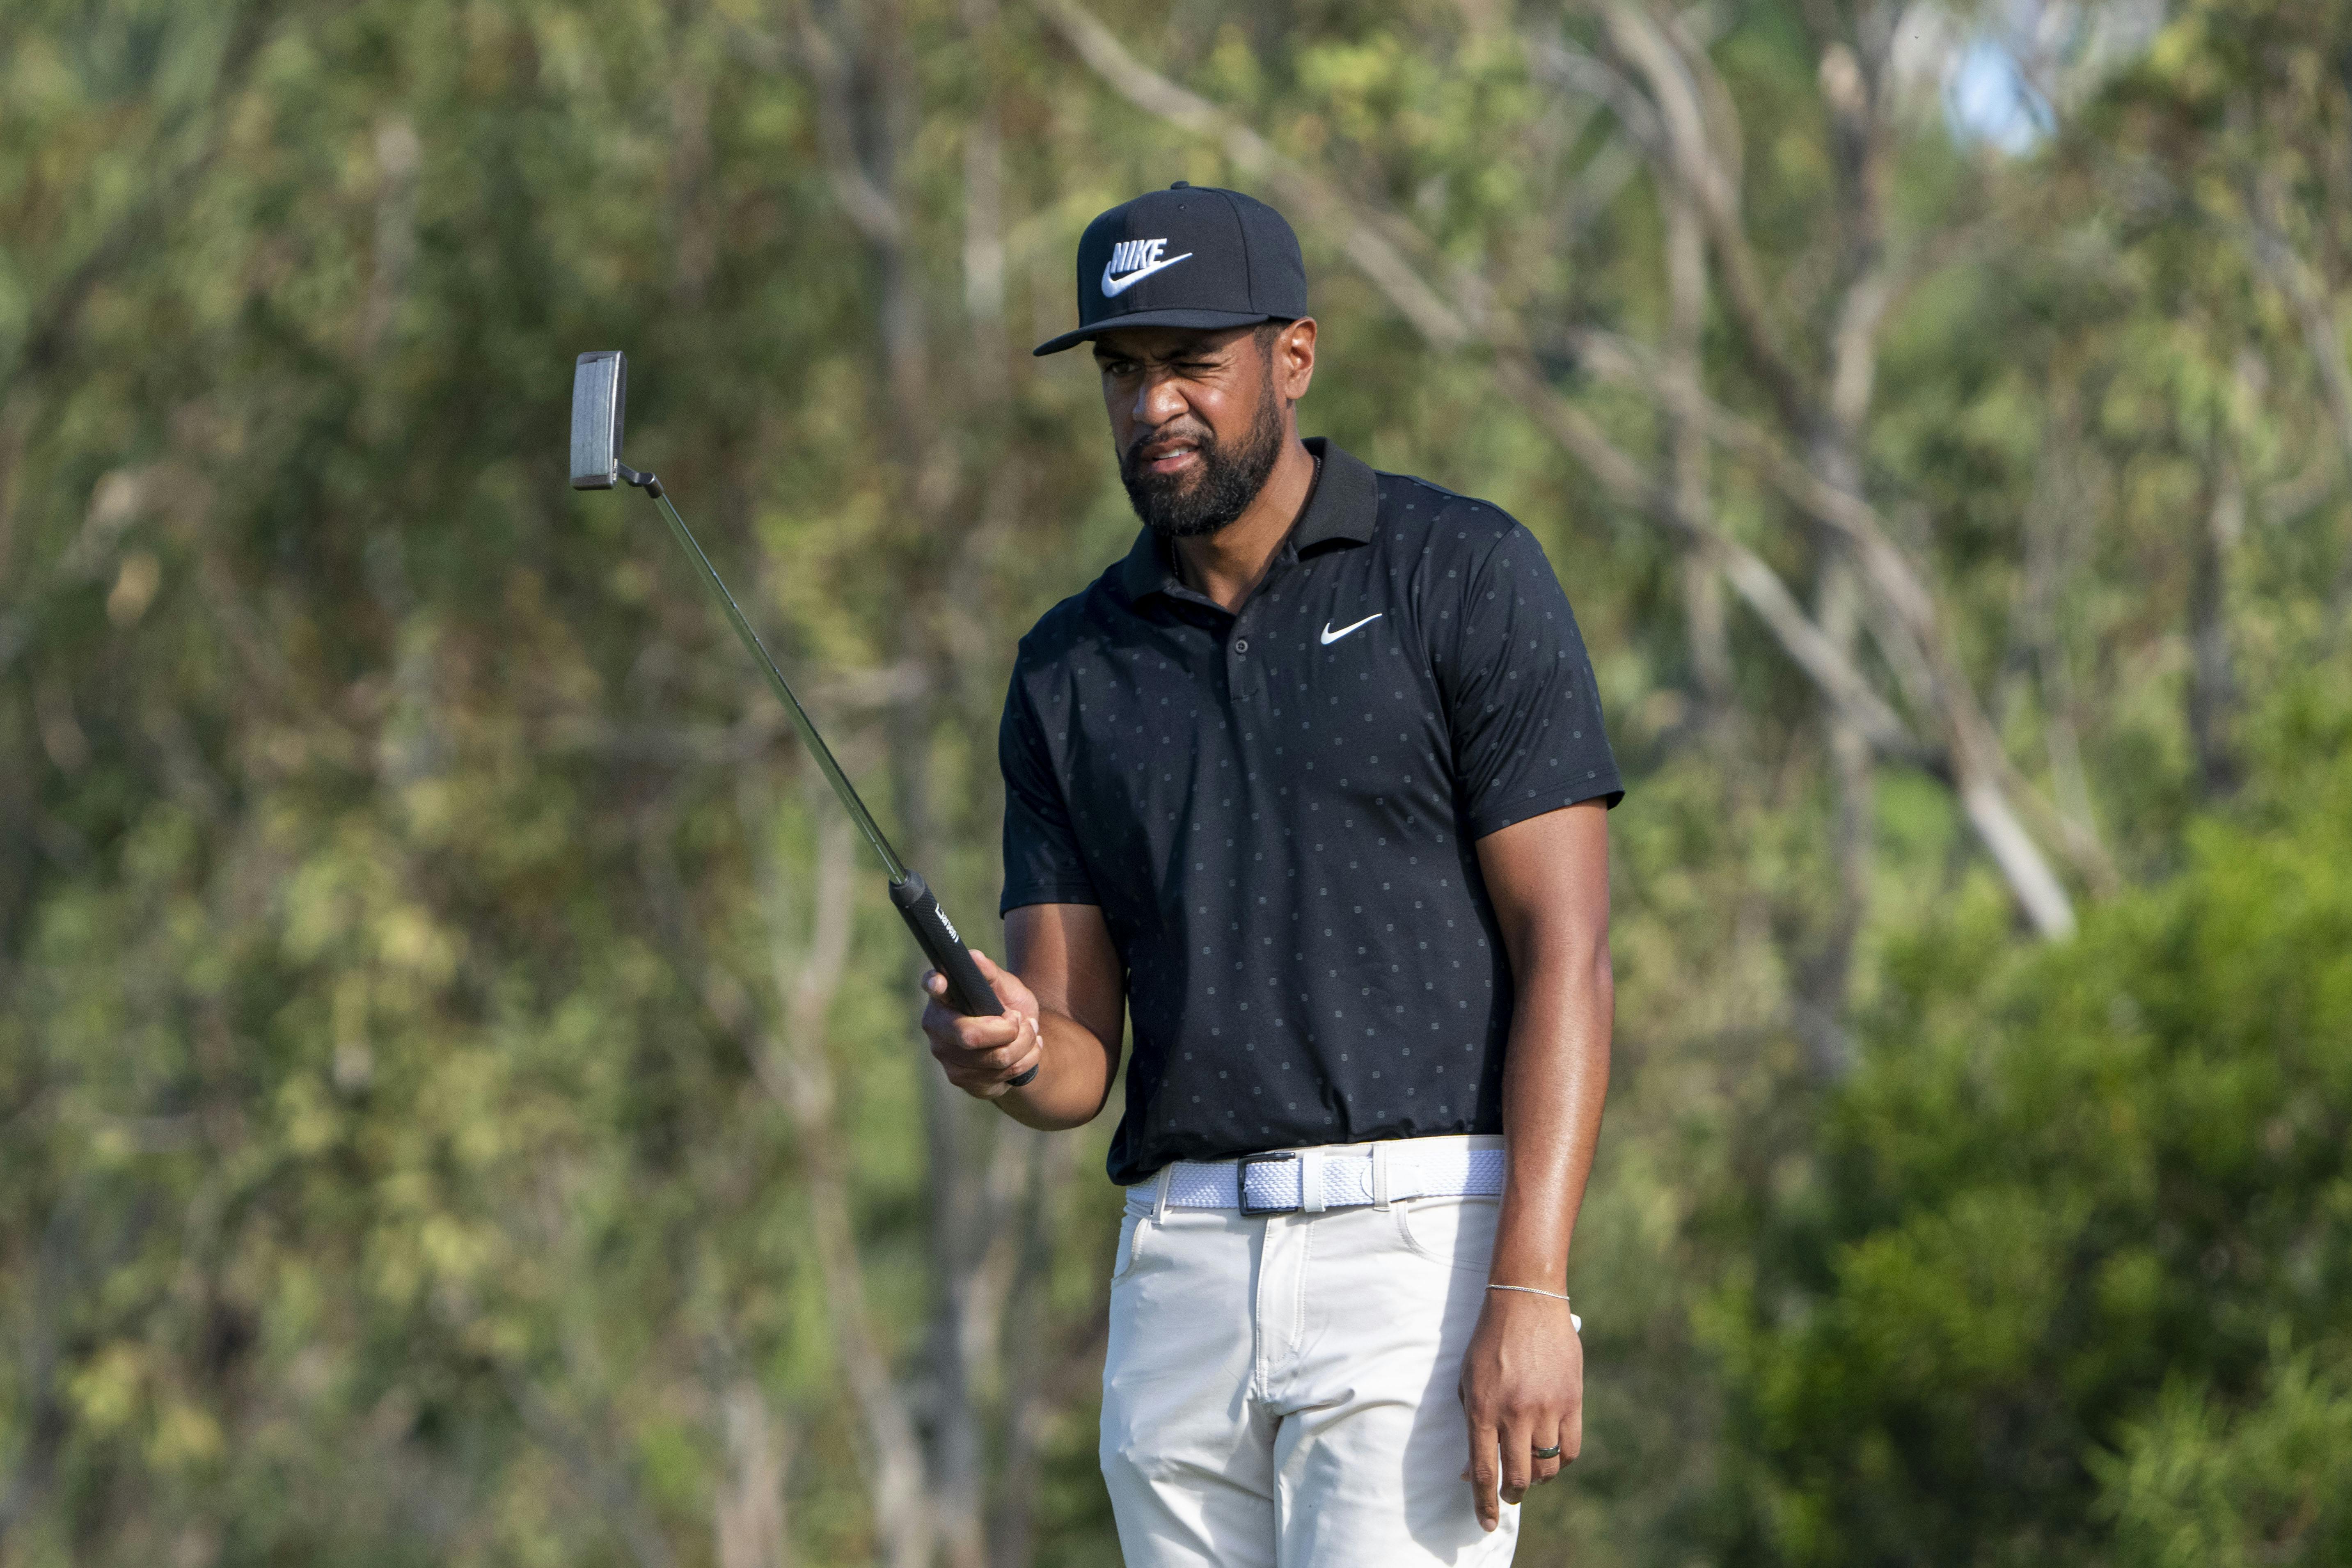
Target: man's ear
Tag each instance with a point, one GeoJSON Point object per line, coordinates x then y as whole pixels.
{"type": "Point", "coordinates": [1294, 358]}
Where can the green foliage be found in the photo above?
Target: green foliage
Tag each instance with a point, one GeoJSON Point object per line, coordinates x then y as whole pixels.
{"type": "Point", "coordinates": [2080, 1253]}
{"type": "Point", "coordinates": [441, 1044]}
{"type": "Point", "coordinates": [2196, 1483]}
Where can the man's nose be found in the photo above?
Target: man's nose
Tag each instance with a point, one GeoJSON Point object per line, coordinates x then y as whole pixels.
{"type": "Point", "coordinates": [1156, 400]}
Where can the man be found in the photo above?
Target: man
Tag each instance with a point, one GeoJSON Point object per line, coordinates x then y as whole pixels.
{"type": "Point", "coordinates": [1313, 785]}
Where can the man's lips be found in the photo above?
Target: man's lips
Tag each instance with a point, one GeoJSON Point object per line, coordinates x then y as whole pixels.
{"type": "Point", "coordinates": [1167, 456]}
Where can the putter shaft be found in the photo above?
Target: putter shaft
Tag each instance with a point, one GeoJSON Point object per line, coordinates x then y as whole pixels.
{"type": "Point", "coordinates": [751, 643]}
{"type": "Point", "coordinates": [968, 990]}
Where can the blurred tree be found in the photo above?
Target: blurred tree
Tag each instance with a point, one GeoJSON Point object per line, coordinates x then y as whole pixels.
{"type": "Point", "coordinates": [460, 1089]}
{"type": "Point", "coordinates": [510, 1165]}
{"type": "Point", "coordinates": [2079, 1262]}
{"type": "Point", "coordinates": [2196, 1484]}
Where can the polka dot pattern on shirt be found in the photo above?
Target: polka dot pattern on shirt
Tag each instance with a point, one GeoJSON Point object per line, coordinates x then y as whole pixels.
{"type": "Point", "coordinates": [1277, 812]}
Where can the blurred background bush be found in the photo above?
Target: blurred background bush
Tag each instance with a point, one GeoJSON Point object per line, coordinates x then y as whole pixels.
{"type": "Point", "coordinates": [459, 1095]}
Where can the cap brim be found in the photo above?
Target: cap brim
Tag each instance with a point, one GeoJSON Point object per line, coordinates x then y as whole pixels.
{"type": "Point", "coordinates": [1151, 318]}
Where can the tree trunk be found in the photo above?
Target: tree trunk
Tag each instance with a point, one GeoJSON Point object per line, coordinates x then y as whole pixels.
{"type": "Point", "coordinates": [795, 1069]}
{"type": "Point", "coordinates": [1686, 459]}
{"type": "Point", "coordinates": [1825, 969]}
{"type": "Point", "coordinates": [1028, 1401]}
{"type": "Point", "coordinates": [2212, 678]}
{"type": "Point", "coordinates": [954, 1214]}
{"type": "Point", "coordinates": [749, 1510]}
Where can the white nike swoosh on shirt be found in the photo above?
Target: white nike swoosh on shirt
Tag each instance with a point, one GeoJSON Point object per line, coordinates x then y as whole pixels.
{"type": "Point", "coordinates": [1330, 637]}
{"type": "Point", "coordinates": [1111, 285]}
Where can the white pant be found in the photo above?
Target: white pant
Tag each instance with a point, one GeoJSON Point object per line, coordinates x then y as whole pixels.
{"type": "Point", "coordinates": [1279, 1391]}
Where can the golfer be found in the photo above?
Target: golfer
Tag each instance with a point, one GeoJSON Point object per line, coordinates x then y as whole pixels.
{"type": "Point", "coordinates": [1312, 786]}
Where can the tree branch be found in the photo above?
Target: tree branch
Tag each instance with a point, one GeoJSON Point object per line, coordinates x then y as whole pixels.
{"type": "Point", "coordinates": [1972, 753]}
{"type": "Point", "coordinates": [2306, 299]}
{"type": "Point", "coordinates": [866, 200]}
{"type": "Point", "coordinates": [1749, 574]}
{"type": "Point", "coordinates": [1702, 170]}
{"type": "Point", "coordinates": [58, 314]}
{"type": "Point", "coordinates": [1372, 247]}
{"type": "Point", "coordinates": [1911, 634]}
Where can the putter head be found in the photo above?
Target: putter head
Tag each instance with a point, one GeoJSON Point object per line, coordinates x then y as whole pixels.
{"type": "Point", "coordinates": [600, 396]}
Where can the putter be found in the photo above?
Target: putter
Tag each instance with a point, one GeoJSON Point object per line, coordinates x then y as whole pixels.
{"type": "Point", "coordinates": [600, 395]}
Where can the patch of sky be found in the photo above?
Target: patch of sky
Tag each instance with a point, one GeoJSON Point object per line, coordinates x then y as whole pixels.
{"type": "Point", "coordinates": [1988, 100]}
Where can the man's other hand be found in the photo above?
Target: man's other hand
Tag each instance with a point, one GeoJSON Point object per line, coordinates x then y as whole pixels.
{"type": "Point", "coordinates": [1523, 1389]}
{"type": "Point", "coordinates": [983, 1056]}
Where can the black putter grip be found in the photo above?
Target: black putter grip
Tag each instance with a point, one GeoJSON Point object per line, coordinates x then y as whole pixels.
{"type": "Point", "coordinates": [968, 992]}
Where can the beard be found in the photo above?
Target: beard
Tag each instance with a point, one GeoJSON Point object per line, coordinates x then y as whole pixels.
{"type": "Point", "coordinates": [1219, 487]}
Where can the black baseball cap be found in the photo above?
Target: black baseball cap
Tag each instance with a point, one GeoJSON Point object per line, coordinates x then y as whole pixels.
{"type": "Point", "coordinates": [1190, 255]}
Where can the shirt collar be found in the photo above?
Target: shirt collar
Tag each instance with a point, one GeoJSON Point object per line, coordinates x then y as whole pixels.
{"type": "Point", "coordinates": [1344, 506]}
{"type": "Point", "coordinates": [1346, 502]}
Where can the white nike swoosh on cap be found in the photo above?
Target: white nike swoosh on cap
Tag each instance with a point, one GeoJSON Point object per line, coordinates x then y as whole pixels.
{"type": "Point", "coordinates": [1112, 286]}
{"type": "Point", "coordinates": [1330, 637]}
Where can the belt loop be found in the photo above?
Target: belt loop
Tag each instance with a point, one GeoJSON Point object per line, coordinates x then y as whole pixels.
{"type": "Point", "coordinates": [1160, 1202]}
{"type": "Point", "coordinates": [1310, 1181]}
{"type": "Point", "coordinates": [1380, 1174]}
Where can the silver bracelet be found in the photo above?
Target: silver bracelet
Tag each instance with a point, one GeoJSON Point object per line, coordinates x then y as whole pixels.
{"type": "Point", "coordinates": [1530, 1290]}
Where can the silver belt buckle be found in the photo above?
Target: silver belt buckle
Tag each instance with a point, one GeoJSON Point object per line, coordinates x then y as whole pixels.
{"type": "Point", "coordinates": [1241, 1183]}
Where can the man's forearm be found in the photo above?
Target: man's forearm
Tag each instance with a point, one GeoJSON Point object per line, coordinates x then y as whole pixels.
{"type": "Point", "coordinates": [1523, 1376]}
{"type": "Point", "coordinates": [1555, 1079]}
{"type": "Point", "coordinates": [1074, 1077]}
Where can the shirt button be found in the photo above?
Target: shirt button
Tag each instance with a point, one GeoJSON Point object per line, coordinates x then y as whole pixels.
{"type": "Point", "coordinates": [1241, 644]}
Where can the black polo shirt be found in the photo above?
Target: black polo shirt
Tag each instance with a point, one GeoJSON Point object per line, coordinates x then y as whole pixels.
{"type": "Point", "coordinates": [1277, 812]}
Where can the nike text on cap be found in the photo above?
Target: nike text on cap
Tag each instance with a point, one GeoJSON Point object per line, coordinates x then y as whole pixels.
{"type": "Point", "coordinates": [1190, 256]}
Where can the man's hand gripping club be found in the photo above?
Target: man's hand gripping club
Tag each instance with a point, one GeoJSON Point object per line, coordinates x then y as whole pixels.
{"type": "Point", "coordinates": [982, 1056]}
{"type": "Point", "coordinates": [1064, 1012]}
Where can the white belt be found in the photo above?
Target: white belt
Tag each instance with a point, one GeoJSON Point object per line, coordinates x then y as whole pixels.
{"type": "Point", "coordinates": [1308, 1181]}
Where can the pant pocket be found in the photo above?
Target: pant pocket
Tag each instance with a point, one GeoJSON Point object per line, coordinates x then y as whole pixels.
{"type": "Point", "coordinates": [1130, 1242]}
{"type": "Point", "coordinates": [1456, 1232]}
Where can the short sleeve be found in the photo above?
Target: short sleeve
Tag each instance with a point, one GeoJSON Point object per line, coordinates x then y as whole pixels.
{"type": "Point", "coordinates": [1042, 863]}
{"type": "Point", "coordinates": [1523, 706]}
